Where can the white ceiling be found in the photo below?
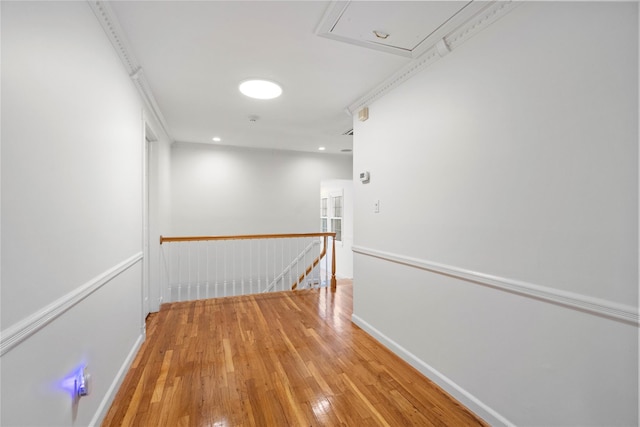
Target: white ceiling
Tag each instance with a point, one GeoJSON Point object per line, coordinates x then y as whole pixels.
{"type": "Point", "coordinates": [194, 55]}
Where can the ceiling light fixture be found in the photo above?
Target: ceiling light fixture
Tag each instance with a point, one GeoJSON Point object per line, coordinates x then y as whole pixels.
{"type": "Point", "coordinates": [321, 148]}
{"type": "Point", "coordinates": [260, 89]}
{"type": "Point", "coordinates": [216, 139]}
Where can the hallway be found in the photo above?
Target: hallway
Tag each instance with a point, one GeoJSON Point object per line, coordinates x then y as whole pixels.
{"type": "Point", "coordinates": [282, 359]}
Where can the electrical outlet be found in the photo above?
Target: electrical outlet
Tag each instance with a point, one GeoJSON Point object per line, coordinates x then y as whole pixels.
{"type": "Point", "coordinates": [83, 383]}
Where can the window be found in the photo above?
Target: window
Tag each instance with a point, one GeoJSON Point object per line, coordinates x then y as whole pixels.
{"type": "Point", "coordinates": [337, 206]}
{"type": "Point", "coordinates": [336, 217]}
{"type": "Point", "coordinates": [331, 212]}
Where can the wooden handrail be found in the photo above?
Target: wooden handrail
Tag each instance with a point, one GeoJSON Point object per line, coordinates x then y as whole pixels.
{"type": "Point", "coordinates": [316, 261]}
{"type": "Point", "coordinates": [273, 236]}
{"type": "Point", "coordinates": [245, 237]}
{"type": "Point", "coordinates": [311, 267]}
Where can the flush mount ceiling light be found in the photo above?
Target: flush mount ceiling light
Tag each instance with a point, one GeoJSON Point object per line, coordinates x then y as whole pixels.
{"type": "Point", "coordinates": [260, 89]}
{"type": "Point", "coordinates": [216, 139]}
{"type": "Point", "coordinates": [321, 148]}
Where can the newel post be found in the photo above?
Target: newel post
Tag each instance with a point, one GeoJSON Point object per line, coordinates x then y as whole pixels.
{"type": "Point", "coordinates": [333, 265]}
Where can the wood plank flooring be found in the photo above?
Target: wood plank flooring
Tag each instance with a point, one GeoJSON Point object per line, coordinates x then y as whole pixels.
{"type": "Point", "coordinates": [281, 359]}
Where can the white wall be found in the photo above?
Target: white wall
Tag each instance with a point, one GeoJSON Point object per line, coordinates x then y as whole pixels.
{"type": "Point", "coordinates": [220, 190]}
{"type": "Point", "coordinates": [71, 213]}
{"type": "Point", "coordinates": [512, 162]}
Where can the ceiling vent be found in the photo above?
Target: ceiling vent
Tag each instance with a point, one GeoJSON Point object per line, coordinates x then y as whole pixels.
{"type": "Point", "coordinates": [349, 132]}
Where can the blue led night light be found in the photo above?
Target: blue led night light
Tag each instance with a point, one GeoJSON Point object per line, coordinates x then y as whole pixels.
{"type": "Point", "coordinates": [74, 381]}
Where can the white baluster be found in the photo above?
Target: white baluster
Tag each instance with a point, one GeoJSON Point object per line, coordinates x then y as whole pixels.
{"type": "Point", "coordinates": [189, 269]}
{"type": "Point", "coordinates": [224, 266]}
{"type": "Point", "coordinates": [304, 265]}
{"type": "Point", "coordinates": [313, 270]}
{"type": "Point", "coordinates": [320, 264]}
{"type": "Point", "coordinates": [216, 284]}
{"type": "Point", "coordinates": [240, 245]}
{"type": "Point", "coordinates": [233, 265]}
{"type": "Point", "coordinates": [166, 266]}
{"type": "Point", "coordinates": [180, 272]}
{"type": "Point", "coordinates": [197, 246]}
{"type": "Point", "coordinates": [160, 276]}
{"type": "Point", "coordinates": [207, 269]}
{"type": "Point", "coordinates": [290, 263]}
{"type": "Point", "coordinates": [266, 263]}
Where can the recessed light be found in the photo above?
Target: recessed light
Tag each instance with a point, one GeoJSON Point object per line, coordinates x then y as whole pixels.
{"type": "Point", "coordinates": [216, 139]}
{"type": "Point", "coordinates": [321, 148]}
{"type": "Point", "coordinates": [260, 89]}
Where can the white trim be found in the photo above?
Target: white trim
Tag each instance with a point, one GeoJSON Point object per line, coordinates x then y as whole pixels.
{"type": "Point", "coordinates": [480, 21]}
{"type": "Point", "coordinates": [453, 40]}
{"type": "Point", "coordinates": [146, 276]}
{"type": "Point", "coordinates": [105, 404]}
{"type": "Point", "coordinates": [597, 306]}
{"type": "Point", "coordinates": [461, 395]}
{"type": "Point", "coordinates": [18, 332]}
{"type": "Point", "coordinates": [638, 201]}
{"type": "Point", "coordinates": [116, 35]}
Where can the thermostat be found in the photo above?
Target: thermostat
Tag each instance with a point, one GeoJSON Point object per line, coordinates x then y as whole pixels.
{"type": "Point", "coordinates": [364, 177]}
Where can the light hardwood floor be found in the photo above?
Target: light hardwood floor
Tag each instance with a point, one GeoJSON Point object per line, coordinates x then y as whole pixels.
{"type": "Point", "coordinates": [281, 359]}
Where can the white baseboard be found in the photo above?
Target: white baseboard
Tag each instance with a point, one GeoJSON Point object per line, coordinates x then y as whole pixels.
{"type": "Point", "coordinates": [461, 395]}
{"type": "Point", "coordinates": [104, 406]}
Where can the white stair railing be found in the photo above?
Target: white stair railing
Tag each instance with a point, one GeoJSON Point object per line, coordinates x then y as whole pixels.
{"type": "Point", "coordinates": [218, 266]}
{"type": "Point", "coordinates": [294, 264]}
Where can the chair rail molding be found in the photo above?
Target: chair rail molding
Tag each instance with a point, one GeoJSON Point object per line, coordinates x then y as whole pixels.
{"type": "Point", "coordinates": [20, 331]}
{"type": "Point", "coordinates": [591, 305]}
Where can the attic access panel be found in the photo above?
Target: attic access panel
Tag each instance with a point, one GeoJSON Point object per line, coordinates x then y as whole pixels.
{"type": "Point", "coordinates": [412, 26]}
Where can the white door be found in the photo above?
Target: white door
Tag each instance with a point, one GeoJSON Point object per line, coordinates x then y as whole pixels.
{"type": "Point", "coordinates": [336, 215]}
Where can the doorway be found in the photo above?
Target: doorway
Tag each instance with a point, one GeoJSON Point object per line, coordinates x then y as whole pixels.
{"type": "Point", "coordinates": [336, 215]}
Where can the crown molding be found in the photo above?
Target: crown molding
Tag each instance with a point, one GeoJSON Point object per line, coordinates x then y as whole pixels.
{"type": "Point", "coordinates": [485, 16]}
{"type": "Point", "coordinates": [116, 35]}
